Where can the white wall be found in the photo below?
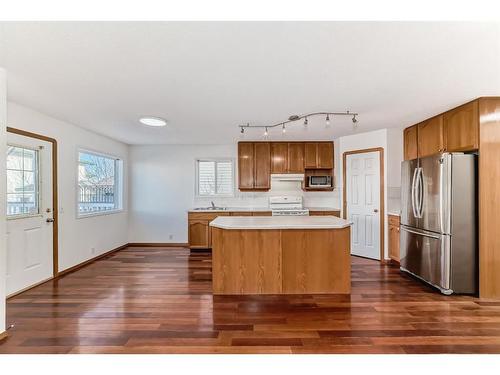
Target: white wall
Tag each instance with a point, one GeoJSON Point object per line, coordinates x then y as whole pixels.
{"type": "Point", "coordinates": [76, 236]}
{"type": "Point", "coordinates": [3, 199]}
{"type": "Point", "coordinates": [378, 138]}
{"type": "Point", "coordinates": [162, 189]}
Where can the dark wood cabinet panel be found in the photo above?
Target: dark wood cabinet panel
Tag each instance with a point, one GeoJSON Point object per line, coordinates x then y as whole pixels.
{"type": "Point", "coordinates": [430, 136]}
{"type": "Point", "coordinates": [310, 155]}
{"type": "Point", "coordinates": [246, 165]}
{"type": "Point", "coordinates": [411, 143]}
{"type": "Point", "coordinates": [279, 157]}
{"type": "Point", "coordinates": [461, 127]}
{"type": "Point", "coordinates": [394, 237]}
{"type": "Point", "coordinates": [262, 152]}
{"type": "Point", "coordinates": [325, 155]}
{"type": "Point", "coordinates": [296, 157]}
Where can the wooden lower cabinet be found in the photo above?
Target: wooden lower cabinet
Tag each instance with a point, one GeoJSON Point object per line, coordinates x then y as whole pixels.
{"type": "Point", "coordinates": [198, 234]}
{"type": "Point", "coordinates": [199, 230]}
{"type": "Point", "coordinates": [394, 238]}
{"type": "Point", "coordinates": [295, 261]}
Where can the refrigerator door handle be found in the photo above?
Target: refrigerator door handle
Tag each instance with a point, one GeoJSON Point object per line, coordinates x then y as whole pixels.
{"type": "Point", "coordinates": [420, 192]}
{"type": "Point", "coordinates": [413, 203]}
{"type": "Point", "coordinates": [424, 234]}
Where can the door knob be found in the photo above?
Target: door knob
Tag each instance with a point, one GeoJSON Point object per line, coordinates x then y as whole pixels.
{"type": "Point", "coordinates": [375, 210]}
{"type": "Point", "coordinates": [50, 220]}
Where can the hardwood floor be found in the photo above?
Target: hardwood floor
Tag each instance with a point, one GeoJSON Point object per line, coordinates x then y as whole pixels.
{"type": "Point", "coordinates": [154, 300]}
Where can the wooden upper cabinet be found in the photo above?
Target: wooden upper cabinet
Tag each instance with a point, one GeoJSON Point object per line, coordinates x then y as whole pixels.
{"type": "Point", "coordinates": [296, 157]}
{"type": "Point", "coordinates": [430, 136]}
{"type": "Point", "coordinates": [318, 155]}
{"type": "Point", "coordinates": [246, 165]}
{"type": "Point", "coordinates": [279, 157]}
{"type": "Point", "coordinates": [325, 155]}
{"type": "Point", "coordinates": [410, 143]}
{"type": "Point", "coordinates": [262, 172]}
{"type": "Point", "coordinates": [461, 127]}
{"type": "Point", "coordinates": [310, 154]}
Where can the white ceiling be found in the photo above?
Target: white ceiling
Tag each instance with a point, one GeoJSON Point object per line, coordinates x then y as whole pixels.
{"type": "Point", "coordinates": [205, 78]}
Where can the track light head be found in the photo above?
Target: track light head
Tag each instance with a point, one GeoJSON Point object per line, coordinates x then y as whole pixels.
{"type": "Point", "coordinates": [306, 122]}
{"type": "Point", "coordinates": [266, 133]}
{"type": "Point", "coordinates": [283, 129]}
{"type": "Point", "coordinates": [242, 131]}
{"type": "Point", "coordinates": [293, 118]}
{"type": "Point", "coordinates": [354, 120]}
{"type": "Point", "coordinates": [327, 121]}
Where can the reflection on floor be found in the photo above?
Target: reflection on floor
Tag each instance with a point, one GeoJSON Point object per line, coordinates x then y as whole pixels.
{"type": "Point", "coordinates": [158, 300]}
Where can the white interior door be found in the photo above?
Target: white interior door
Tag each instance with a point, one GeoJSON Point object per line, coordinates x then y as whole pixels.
{"type": "Point", "coordinates": [29, 212]}
{"type": "Point", "coordinates": [363, 203]}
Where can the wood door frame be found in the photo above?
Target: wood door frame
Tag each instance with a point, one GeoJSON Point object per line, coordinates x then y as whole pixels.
{"type": "Point", "coordinates": [380, 150]}
{"type": "Point", "coordinates": [55, 207]}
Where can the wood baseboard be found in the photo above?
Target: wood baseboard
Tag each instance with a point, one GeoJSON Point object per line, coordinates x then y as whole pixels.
{"type": "Point", "coordinates": [80, 265]}
{"type": "Point", "coordinates": [3, 336]}
{"type": "Point", "coordinates": [87, 262]}
{"type": "Point", "coordinates": [28, 288]}
{"type": "Point", "coordinates": [156, 244]}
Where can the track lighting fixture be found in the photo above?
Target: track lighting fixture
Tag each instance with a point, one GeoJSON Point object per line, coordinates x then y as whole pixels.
{"type": "Point", "coordinates": [306, 116]}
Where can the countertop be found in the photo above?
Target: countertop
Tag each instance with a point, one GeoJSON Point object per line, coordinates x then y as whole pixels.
{"type": "Point", "coordinates": [279, 222]}
{"type": "Point", "coordinates": [261, 209]}
{"type": "Point", "coordinates": [235, 209]}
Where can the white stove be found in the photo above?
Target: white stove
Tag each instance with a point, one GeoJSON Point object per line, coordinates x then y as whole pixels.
{"type": "Point", "coordinates": [287, 206]}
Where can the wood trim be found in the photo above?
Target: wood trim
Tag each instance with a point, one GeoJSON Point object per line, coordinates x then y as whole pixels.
{"type": "Point", "coordinates": [382, 187]}
{"type": "Point", "coordinates": [157, 244]}
{"type": "Point", "coordinates": [55, 205]}
{"type": "Point", "coordinates": [489, 197]}
{"type": "Point", "coordinates": [3, 336]}
{"type": "Point", "coordinates": [87, 262]}
{"type": "Point", "coordinates": [28, 288]}
{"type": "Point", "coordinates": [91, 260]}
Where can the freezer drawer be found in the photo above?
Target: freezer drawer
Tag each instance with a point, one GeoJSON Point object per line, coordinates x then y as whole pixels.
{"type": "Point", "coordinates": [427, 256]}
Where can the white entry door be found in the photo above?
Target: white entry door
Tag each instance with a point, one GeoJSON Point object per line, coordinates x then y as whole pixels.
{"type": "Point", "coordinates": [29, 212]}
{"type": "Point", "coordinates": [363, 203]}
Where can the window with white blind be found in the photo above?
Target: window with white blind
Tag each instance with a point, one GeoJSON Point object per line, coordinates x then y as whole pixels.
{"type": "Point", "coordinates": [214, 177]}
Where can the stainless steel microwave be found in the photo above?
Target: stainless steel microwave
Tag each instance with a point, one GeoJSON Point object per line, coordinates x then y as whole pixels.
{"type": "Point", "coordinates": [320, 181]}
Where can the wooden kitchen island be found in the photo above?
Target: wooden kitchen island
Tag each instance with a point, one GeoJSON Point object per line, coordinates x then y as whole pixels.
{"type": "Point", "coordinates": [281, 255]}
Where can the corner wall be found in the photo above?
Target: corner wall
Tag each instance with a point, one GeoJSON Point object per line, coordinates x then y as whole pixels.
{"type": "Point", "coordinates": [388, 140]}
{"type": "Point", "coordinates": [77, 237]}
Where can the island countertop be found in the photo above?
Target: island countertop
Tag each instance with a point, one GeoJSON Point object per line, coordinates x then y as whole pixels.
{"type": "Point", "coordinates": [279, 222]}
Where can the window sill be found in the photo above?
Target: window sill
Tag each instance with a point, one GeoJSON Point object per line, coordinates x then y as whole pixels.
{"type": "Point", "coordinates": [99, 213]}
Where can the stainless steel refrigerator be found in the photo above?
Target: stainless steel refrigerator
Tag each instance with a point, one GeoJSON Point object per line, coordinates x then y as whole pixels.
{"type": "Point", "coordinates": [439, 221]}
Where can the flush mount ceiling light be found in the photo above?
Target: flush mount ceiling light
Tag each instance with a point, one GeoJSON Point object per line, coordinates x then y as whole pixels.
{"type": "Point", "coordinates": [305, 116]}
{"type": "Point", "coordinates": [153, 121]}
